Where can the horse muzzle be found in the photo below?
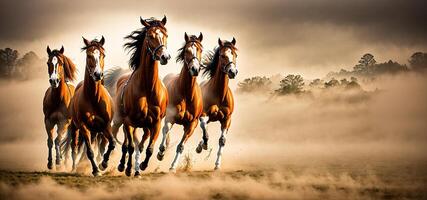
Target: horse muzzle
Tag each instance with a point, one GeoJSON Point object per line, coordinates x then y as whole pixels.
{"type": "Point", "coordinates": [97, 76]}
{"type": "Point", "coordinates": [232, 72]}
{"type": "Point", "coordinates": [54, 82]}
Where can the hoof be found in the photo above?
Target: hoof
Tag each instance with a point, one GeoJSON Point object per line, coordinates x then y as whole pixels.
{"type": "Point", "coordinates": [102, 166]}
{"type": "Point", "coordinates": [199, 149]}
{"type": "Point", "coordinates": [137, 174]}
{"type": "Point", "coordinates": [49, 165]}
{"type": "Point", "coordinates": [58, 162]}
{"type": "Point", "coordinates": [121, 168]}
{"type": "Point", "coordinates": [143, 166]}
{"type": "Point", "coordinates": [172, 170]}
{"type": "Point", "coordinates": [96, 173]}
{"type": "Point", "coordinates": [160, 156]}
{"type": "Point", "coordinates": [205, 146]}
{"type": "Point", "coordinates": [216, 168]}
{"type": "Point", "coordinates": [128, 172]}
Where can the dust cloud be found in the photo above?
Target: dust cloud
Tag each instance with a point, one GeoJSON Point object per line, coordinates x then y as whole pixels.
{"type": "Point", "coordinates": [328, 143]}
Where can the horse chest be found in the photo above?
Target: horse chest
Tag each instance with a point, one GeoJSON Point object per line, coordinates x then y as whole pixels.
{"type": "Point", "coordinates": [95, 121]}
{"type": "Point", "coordinates": [145, 115]}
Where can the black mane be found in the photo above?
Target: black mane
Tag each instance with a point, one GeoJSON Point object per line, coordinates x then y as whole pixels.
{"type": "Point", "coordinates": [211, 59]}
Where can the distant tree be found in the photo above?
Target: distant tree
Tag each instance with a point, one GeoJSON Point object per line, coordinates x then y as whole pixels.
{"type": "Point", "coordinates": [418, 61]}
{"type": "Point", "coordinates": [332, 83]}
{"type": "Point", "coordinates": [344, 81]}
{"type": "Point", "coordinates": [365, 62]}
{"type": "Point", "coordinates": [8, 59]}
{"type": "Point", "coordinates": [30, 65]}
{"type": "Point", "coordinates": [389, 67]}
{"type": "Point", "coordinates": [291, 84]}
{"type": "Point", "coordinates": [316, 83]}
{"type": "Point", "coordinates": [254, 84]}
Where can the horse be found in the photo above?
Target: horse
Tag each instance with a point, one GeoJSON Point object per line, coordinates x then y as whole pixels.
{"type": "Point", "coordinates": [92, 108]}
{"type": "Point", "coordinates": [57, 99]}
{"type": "Point", "coordinates": [185, 97]}
{"type": "Point", "coordinates": [218, 101]}
{"type": "Point", "coordinates": [141, 98]}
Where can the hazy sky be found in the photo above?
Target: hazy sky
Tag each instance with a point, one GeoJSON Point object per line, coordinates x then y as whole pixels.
{"type": "Point", "coordinates": [307, 37]}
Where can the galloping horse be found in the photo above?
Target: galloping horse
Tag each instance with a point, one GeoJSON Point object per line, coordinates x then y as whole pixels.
{"type": "Point", "coordinates": [218, 102]}
{"type": "Point", "coordinates": [141, 98]}
{"type": "Point", "coordinates": [91, 107]}
{"type": "Point", "coordinates": [57, 99]}
{"type": "Point", "coordinates": [185, 97]}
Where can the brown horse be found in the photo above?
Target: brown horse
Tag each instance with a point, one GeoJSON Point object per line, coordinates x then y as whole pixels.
{"type": "Point", "coordinates": [141, 98]}
{"type": "Point", "coordinates": [218, 102]}
{"type": "Point", "coordinates": [185, 97]}
{"type": "Point", "coordinates": [91, 107]}
{"type": "Point", "coordinates": [57, 99]}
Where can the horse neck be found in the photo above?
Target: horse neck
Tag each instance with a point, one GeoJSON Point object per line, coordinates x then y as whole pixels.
{"type": "Point", "coordinates": [186, 81]}
{"type": "Point", "coordinates": [90, 87]}
{"type": "Point", "coordinates": [148, 71]}
{"type": "Point", "coordinates": [220, 82]}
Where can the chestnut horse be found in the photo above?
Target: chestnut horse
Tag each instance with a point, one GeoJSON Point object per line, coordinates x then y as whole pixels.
{"type": "Point", "coordinates": [218, 102]}
{"type": "Point", "coordinates": [141, 97]}
{"type": "Point", "coordinates": [185, 97]}
{"type": "Point", "coordinates": [57, 99]}
{"type": "Point", "coordinates": [91, 107]}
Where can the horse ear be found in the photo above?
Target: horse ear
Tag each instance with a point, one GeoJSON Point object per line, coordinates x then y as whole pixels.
{"type": "Point", "coordinates": [87, 43]}
{"type": "Point", "coordinates": [220, 42]}
{"type": "Point", "coordinates": [200, 36]}
{"type": "Point", "coordinates": [233, 41]}
{"type": "Point", "coordinates": [61, 50]}
{"type": "Point", "coordinates": [143, 22]}
{"type": "Point", "coordinates": [164, 20]}
{"type": "Point", "coordinates": [102, 41]}
{"type": "Point", "coordinates": [48, 50]}
{"type": "Point", "coordinates": [186, 37]}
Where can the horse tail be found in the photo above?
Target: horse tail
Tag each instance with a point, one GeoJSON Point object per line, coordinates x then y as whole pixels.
{"type": "Point", "coordinates": [111, 77]}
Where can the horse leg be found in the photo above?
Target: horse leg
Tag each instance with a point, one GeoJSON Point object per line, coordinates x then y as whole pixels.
{"type": "Point", "coordinates": [128, 130]}
{"type": "Point", "coordinates": [102, 143]}
{"type": "Point", "coordinates": [224, 129]}
{"type": "Point", "coordinates": [49, 129]}
{"type": "Point", "coordinates": [166, 128]}
{"type": "Point", "coordinates": [121, 166]}
{"type": "Point", "coordinates": [74, 144]}
{"type": "Point", "coordinates": [107, 135]}
{"type": "Point", "coordinates": [188, 131]}
{"type": "Point", "coordinates": [115, 129]}
{"type": "Point", "coordinates": [204, 143]}
{"type": "Point", "coordinates": [61, 128]}
{"type": "Point", "coordinates": [89, 151]}
{"type": "Point", "coordinates": [139, 149]}
{"type": "Point", "coordinates": [154, 133]}
{"type": "Point", "coordinates": [137, 152]}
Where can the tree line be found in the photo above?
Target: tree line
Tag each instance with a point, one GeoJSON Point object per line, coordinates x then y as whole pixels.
{"type": "Point", "coordinates": [12, 66]}
{"type": "Point", "coordinates": [367, 67]}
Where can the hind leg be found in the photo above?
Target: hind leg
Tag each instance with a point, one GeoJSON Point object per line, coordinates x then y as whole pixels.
{"type": "Point", "coordinates": [204, 143]}
{"type": "Point", "coordinates": [62, 127]}
{"type": "Point", "coordinates": [154, 133]}
{"type": "Point", "coordinates": [188, 131]}
{"type": "Point", "coordinates": [166, 128]}
{"type": "Point", "coordinates": [131, 147]}
{"type": "Point", "coordinates": [140, 147]}
{"type": "Point", "coordinates": [74, 144]}
{"type": "Point", "coordinates": [102, 142]}
{"type": "Point", "coordinates": [49, 129]}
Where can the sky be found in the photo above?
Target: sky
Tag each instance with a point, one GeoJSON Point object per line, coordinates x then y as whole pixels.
{"type": "Point", "coordinates": [310, 37]}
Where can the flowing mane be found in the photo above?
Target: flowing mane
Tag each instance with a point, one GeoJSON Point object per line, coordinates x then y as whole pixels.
{"type": "Point", "coordinates": [137, 40]}
{"type": "Point", "coordinates": [181, 52]}
{"type": "Point", "coordinates": [69, 67]}
{"type": "Point", "coordinates": [211, 59]}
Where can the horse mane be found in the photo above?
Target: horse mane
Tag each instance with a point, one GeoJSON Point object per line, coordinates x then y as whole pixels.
{"type": "Point", "coordinates": [181, 52]}
{"type": "Point", "coordinates": [211, 59]}
{"type": "Point", "coordinates": [137, 40]}
{"type": "Point", "coordinates": [69, 69]}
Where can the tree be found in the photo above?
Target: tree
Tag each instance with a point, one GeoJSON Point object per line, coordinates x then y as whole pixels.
{"type": "Point", "coordinates": [316, 83]}
{"type": "Point", "coordinates": [365, 62]}
{"type": "Point", "coordinates": [418, 61]}
{"type": "Point", "coordinates": [254, 84]}
{"type": "Point", "coordinates": [30, 65]}
{"type": "Point", "coordinates": [291, 84]}
{"type": "Point", "coordinates": [332, 83]}
{"type": "Point", "coordinates": [8, 58]}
